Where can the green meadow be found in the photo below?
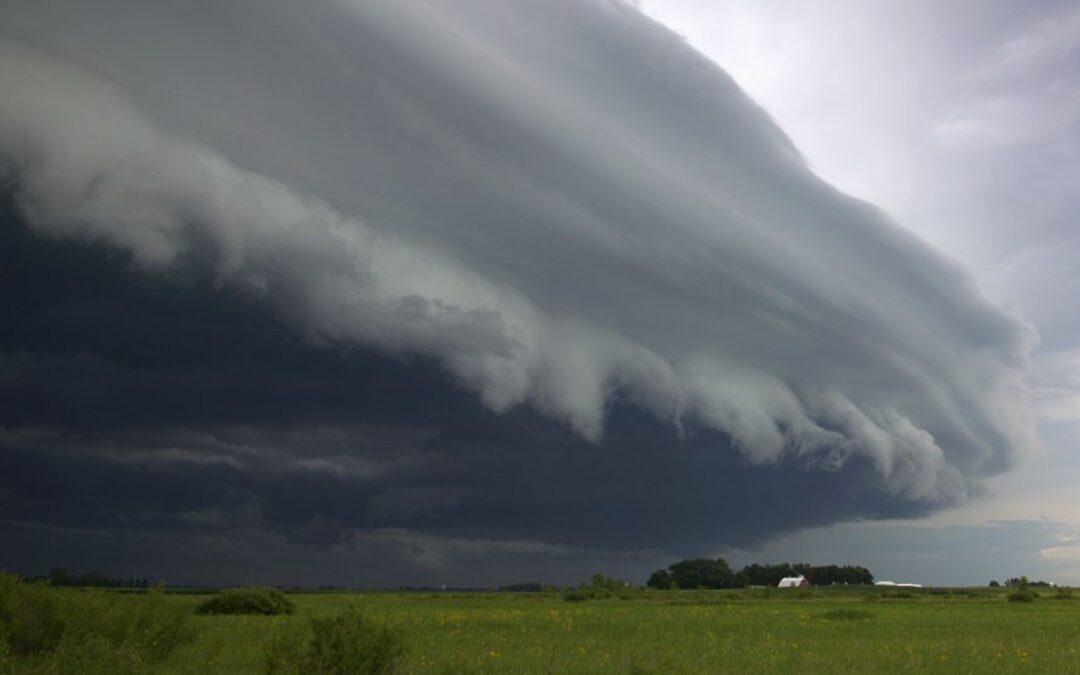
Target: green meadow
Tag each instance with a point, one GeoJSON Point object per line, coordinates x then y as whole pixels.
{"type": "Point", "coordinates": [826, 630]}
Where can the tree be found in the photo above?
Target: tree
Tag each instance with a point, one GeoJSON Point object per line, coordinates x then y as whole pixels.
{"type": "Point", "coordinates": [702, 573]}
{"type": "Point", "coordinates": [764, 575]}
{"type": "Point", "coordinates": [994, 583]}
{"type": "Point", "coordinates": [660, 579]}
{"type": "Point", "coordinates": [694, 573]}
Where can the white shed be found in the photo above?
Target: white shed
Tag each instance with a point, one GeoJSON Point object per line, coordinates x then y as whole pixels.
{"type": "Point", "coordinates": [793, 582]}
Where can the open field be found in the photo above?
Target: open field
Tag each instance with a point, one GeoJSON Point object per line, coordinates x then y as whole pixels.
{"type": "Point", "coordinates": [820, 630]}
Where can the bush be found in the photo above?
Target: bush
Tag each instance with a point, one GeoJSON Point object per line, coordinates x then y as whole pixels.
{"type": "Point", "coordinates": [146, 626]}
{"type": "Point", "coordinates": [93, 654]}
{"type": "Point", "coordinates": [1022, 596]}
{"type": "Point", "coordinates": [86, 632]}
{"type": "Point", "coordinates": [1063, 594]}
{"type": "Point", "coordinates": [29, 616]}
{"type": "Point", "coordinates": [266, 601]}
{"type": "Point", "coordinates": [351, 642]}
{"type": "Point", "coordinates": [576, 596]}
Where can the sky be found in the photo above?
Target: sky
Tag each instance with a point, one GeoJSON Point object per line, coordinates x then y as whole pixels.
{"type": "Point", "coordinates": [474, 292]}
{"type": "Point", "coordinates": [965, 128]}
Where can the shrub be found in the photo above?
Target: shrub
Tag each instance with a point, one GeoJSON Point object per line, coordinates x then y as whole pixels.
{"type": "Point", "coordinates": [30, 616]}
{"type": "Point", "coordinates": [86, 632]}
{"type": "Point", "coordinates": [354, 643]}
{"type": "Point", "coordinates": [1022, 596]}
{"type": "Point", "coordinates": [576, 596]}
{"type": "Point", "coordinates": [266, 601]}
{"type": "Point", "coordinates": [286, 651]}
{"type": "Point", "coordinates": [93, 654]}
{"type": "Point", "coordinates": [143, 627]}
{"type": "Point", "coordinates": [351, 642]}
{"type": "Point", "coordinates": [1063, 594]}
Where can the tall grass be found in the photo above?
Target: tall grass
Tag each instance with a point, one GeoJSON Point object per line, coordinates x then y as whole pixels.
{"type": "Point", "coordinates": [49, 630]}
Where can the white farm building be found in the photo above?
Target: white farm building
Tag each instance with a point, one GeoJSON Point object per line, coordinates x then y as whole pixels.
{"type": "Point", "coordinates": [793, 582]}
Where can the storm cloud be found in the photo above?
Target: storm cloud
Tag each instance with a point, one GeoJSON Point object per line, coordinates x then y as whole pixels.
{"type": "Point", "coordinates": [535, 272]}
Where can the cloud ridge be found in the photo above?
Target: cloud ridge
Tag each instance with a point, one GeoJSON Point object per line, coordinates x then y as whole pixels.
{"type": "Point", "coordinates": [561, 202]}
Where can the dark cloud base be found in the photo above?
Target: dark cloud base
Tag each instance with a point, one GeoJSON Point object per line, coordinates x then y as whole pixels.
{"type": "Point", "coordinates": [146, 416]}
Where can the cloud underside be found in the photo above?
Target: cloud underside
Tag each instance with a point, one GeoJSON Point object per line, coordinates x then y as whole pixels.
{"type": "Point", "coordinates": [541, 273]}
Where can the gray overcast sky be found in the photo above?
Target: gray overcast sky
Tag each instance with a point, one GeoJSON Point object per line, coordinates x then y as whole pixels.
{"type": "Point", "coordinates": [962, 120]}
{"type": "Point", "coordinates": [469, 291]}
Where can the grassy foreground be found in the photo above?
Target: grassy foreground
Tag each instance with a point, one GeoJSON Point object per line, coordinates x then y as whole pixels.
{"type": "Point", "coordinates": [826, 630]}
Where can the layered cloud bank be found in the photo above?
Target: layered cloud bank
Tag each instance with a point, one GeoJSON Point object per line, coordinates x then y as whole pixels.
{"type": "Point", "coordinates": [560, 203]}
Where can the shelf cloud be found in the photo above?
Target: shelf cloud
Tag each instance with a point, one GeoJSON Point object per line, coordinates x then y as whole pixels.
{"type": "Point", "coordinates": [579, 222]}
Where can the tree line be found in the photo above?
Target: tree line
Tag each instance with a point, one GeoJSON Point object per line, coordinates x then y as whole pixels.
{"type": "Point", "coordinates": [1019, 582]}
{"type": "Point", "coordinates": [706, 573]}
{"type": "Point", "coordinates": [61, 577]}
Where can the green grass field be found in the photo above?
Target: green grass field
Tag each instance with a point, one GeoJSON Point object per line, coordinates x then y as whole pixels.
{"type": "Point", "coordinates": [683, 632]}
{"type": "Point", "coordinates": [796, 631]}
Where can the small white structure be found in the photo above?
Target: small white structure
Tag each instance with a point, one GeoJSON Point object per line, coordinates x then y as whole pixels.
{"type": "Point", "coordinates": [898, 585]}
{"type": "Point", "coordinates": [793, 582]}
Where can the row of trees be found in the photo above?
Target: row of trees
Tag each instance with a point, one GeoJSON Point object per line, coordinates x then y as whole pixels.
{"type": "Point", "coordinates": [1019, 582]}
{"type": "Point", "coordinates": [706, 573]}
{"type": "Point", "coordinates": [819, 575]}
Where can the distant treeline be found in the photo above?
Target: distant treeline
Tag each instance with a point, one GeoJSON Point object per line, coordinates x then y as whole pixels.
{"type": "Point", "coordinates": [61, 577]}
{"type": "Point", "coordinates": [526, 587]}
{"type": "Point", "coordinates": [706, 573]}
{"type": "Point", "coordinates": [1020, 582]}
